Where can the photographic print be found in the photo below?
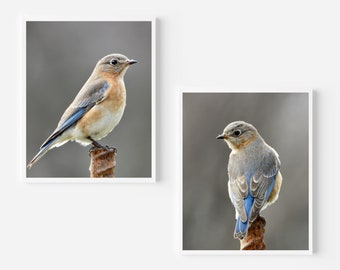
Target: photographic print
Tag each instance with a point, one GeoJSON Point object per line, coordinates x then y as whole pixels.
{"type": "Point", "coordinates": [246, 182]}
{"type": "Point", "coordinates": [89, 92]}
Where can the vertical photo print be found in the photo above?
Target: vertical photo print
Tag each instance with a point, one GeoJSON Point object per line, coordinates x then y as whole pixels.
{"type": "Point", "coordinates": [246, 171]}
{"type": "Point", "coordinates": [89, 100]}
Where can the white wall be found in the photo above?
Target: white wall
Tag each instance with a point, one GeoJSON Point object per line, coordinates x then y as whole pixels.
{"type": "Point", "coordinates": [218, 44]}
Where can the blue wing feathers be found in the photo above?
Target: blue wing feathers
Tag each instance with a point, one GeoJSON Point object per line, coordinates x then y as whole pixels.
{"type": "Point", "coordinates": [248, 203]}
{"type": "Point", "coordinates": [82, 104]}
{"type": "Point", "coordinates": [241, 227]}
{"type": "Point", "coordinates": [73, 118]}
{"type": "Point", "coordinates": [69, 122]}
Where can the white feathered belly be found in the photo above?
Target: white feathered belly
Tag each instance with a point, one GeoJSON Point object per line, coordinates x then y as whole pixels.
{"type": "Point", "coordinates": [104, 123]}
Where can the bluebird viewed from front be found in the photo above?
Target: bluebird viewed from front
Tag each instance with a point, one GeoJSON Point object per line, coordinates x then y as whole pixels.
{"type": "Point", "coordinates": [97, 108]}
{"type": "Point", "coordinates": [254, 173]}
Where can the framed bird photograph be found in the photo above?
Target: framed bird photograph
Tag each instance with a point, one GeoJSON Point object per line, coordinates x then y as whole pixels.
{"type": "Point", "coordinates": [88, 100]}
{"type": "Point", "coordinates": [246, 172]}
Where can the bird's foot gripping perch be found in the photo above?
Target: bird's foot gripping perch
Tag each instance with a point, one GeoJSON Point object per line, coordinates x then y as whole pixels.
{"type": "Point", "coordinates": [96, 146]}
{"type": "Point", "coordinates": [105, 148]}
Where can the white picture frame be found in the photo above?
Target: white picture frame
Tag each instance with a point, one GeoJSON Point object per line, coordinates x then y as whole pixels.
{"type": "Point", "coordinates": [54, 32]}
{"type": "Point", "coordinates": [201, 191]}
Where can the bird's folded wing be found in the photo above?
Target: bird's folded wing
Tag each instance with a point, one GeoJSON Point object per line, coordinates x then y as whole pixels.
{"type": "Point", "coordinates": [261, 184]}
{"type": "Point", "coordinates": [238, 191]}
{"type": "Point", "coordinates": [90, 95]}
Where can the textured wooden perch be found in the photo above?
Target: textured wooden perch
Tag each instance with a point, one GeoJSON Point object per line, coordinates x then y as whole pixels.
{"type": "Point", "coordinates": [103, 162]}
{"type": "Point", "coordinates": [254, 239]}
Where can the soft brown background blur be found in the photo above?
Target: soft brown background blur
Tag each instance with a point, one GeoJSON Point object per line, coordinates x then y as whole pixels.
{"type": "Point", "coordinates": [60, 58]}
{"type": "Point", "coordinates": [208, 215]}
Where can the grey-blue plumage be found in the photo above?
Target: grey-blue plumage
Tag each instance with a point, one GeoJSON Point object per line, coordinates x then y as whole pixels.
{"type": "Point", "coordinates": [253, 171]}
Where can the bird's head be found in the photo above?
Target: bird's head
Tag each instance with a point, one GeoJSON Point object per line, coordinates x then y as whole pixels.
{"type": "Point", "coordinates": [238, 134]}
{"type": "Point", "coordinates": [114, 64]}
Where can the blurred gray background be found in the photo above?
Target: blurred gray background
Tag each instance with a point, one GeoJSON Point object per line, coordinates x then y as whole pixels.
{"type": "Point", "coordinates": [60, 58]}
{"type": "Point", "coordinates": [208, 215]}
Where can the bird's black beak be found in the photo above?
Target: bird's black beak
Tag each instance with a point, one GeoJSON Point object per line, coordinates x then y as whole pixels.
{"type": "Point", "coordinates": [221, 136]}
{"type": "Point", "coordinates": [131, 61]}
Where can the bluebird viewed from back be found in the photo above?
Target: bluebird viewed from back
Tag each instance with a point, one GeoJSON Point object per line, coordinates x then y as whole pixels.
{"type": "Point", "coordinates": [254, 173]}
{"type": "Point", "coordinates": [97, 108]}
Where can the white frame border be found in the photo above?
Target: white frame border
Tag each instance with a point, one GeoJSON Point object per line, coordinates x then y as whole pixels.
{"type": "Point", "coordinates": [310, 249]}
{"type": "Point", "coordinates": [22, 55]}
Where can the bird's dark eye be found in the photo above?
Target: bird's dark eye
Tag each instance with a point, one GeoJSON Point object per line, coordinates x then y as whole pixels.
{"type": "Point", "coordinates": [113, 62]}
{"type": "Point", "coordinates": [237, 133]}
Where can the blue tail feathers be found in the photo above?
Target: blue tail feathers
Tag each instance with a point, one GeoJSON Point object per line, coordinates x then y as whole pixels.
{"type": "Point", "coordinates": [241, 228]}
